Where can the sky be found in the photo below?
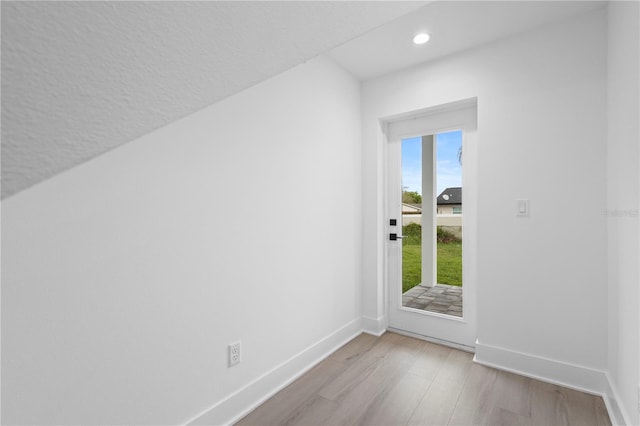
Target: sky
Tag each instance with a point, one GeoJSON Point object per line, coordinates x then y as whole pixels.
{"type": "Point", "coordinates": [449, 170]}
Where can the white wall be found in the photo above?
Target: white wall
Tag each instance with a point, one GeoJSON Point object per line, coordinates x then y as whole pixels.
{"type": "Point", "coordinates": [623, 205]}
{"type": "Point", "coordinates": [542, 136]}
{"type": "Point", "coordinates": [125, 278]}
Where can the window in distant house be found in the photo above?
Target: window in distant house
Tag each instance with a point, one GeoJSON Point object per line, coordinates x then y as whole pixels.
{"type": "Point", "coordinates": [457, 210]}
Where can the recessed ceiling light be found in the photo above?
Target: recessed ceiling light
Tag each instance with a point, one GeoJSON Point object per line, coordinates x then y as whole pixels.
{"type": "Point", "coordinates": [421, 38]}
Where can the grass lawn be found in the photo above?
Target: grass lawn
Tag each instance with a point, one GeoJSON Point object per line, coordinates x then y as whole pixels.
{"type": "Point", "coordinates": [411, 266]}
{"type": "Point", "coordinates": [449, 264]}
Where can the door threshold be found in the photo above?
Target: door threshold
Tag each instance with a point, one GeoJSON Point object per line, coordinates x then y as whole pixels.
{"type": "Point", "coordinates": [454, 345]}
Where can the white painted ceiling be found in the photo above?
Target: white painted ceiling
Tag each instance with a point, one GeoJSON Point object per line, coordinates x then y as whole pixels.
{"type": "Point", "coordinates": [454, 26]}
{"type": "Point", "coordinates": [80, 78]}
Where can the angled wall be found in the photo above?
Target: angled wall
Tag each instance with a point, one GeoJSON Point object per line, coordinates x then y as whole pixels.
{"type": "Point", "coordinates": [124, 279]}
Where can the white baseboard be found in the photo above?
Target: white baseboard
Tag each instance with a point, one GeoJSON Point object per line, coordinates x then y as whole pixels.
{"type": "Point", "coordinates": [243, 401]}
{"type": "Point", "coordinates": [617, 413]}
{"type": "Point", "coordinates": [374, 326]}
{"type": "Point", "coordinates": [240, 403]}
{"type": "Point", "coordinates": [572, 376]}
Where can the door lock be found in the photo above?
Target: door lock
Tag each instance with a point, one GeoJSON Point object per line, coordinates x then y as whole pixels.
{"type": "Point", "coordinates": [395, 237]}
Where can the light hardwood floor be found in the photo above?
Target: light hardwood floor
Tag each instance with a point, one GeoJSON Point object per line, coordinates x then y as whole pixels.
{"type": "Point", "coordinates": [398, 380]}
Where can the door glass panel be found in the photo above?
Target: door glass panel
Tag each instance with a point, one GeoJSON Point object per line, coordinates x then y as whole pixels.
{"type": "Point", "coordinates": [411, 213]}
{"type": "Point", "coordinates": [432, 214]}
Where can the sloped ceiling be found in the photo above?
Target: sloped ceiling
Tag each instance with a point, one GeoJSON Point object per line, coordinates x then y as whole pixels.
{"type": "Point", "coordinates": [80, 78]}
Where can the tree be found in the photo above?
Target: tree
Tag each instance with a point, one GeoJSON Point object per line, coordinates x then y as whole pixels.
{"type": "Point", "coordinates": [411, 197]}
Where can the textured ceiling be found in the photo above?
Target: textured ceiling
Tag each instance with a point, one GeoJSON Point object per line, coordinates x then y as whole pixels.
{"type": "Point", "coordinates": [454, 26]}
{"type": "Point", "coordinates": [80, 78]}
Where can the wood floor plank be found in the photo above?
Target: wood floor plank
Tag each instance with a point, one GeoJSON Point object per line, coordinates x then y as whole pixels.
{"type": "Point", "coordinates": [548, 406]}
{"type": "Point", "coordinates": [310, 383]}
{"type": "Point", "coordinates": [502, 417]}
{"type": "Point", "coordinates": [355, 349]}
{"type": "Point", "coordinates": [404, 350]}
{"type": "Point", "coordinates": [582, 407]}
{"type": "Point", "coordinates": [354, 404]}
{"type": "Point", "coordinates": [513, 393]}
{"type": "Point", "coordinates": [431, 359]}
{"type": "Point", "coordinates": [396, 405]}
{"type": "Point", "coordinates": [388, 349]}
{"type": "Point", "coordinates": [456, 366]}
{"type": "Point", "coordinates": [476, 399]}
{"type": "Point", "coordinates": [364, 395]}
{"type": "Point", "coordinates": [336, 389]}
{"type": "Point", "coordinates": [315, 412]}
{"type": "Point", "coordinates": [398, 380]}
{"type": "Point", "coordinates": [275, 411]}
{"type": "Point", "coordinates": [270, 413]}
{"type": "Point", "coordinates": [437, 405]}
{"type": "Point", "coordinates": [602, 416]}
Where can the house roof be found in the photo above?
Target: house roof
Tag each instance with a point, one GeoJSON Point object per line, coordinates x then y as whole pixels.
{"type": "Point", "coordinates": [417, 207]}
{"type": "Point", "coordinates": [450, 196]}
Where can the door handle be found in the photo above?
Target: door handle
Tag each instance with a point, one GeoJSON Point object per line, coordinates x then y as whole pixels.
{"type": "Point", "coordinates": [395, 237]}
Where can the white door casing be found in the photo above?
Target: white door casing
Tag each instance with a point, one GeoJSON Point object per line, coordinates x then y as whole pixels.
{"type": "Point", "coordinates": [461, 115]}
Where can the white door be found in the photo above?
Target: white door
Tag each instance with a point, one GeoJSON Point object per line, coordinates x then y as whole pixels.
{"type": "Point", "coordinates": [436, 311]}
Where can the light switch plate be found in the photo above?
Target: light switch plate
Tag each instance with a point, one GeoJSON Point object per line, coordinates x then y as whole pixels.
{"type": "Point", "coordinates": [522, 207]}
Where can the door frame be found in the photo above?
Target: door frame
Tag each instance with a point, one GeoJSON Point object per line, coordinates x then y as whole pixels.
{"type": "Point", "coordinates": [444, 329]}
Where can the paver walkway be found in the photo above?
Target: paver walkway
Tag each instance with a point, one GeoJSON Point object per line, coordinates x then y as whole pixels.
{"type": "Point", "coordinates": [441, 298]}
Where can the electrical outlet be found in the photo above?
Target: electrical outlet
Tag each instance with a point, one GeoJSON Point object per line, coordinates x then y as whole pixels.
{"type": "Point", "coordinates": [234, 353]}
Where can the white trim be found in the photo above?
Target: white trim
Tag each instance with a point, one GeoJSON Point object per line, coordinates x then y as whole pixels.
{"type": "Point", "coordinates": [429, 252]}
{"type": "Point", "coordinates": [461, 115]}
{"type": "Point", "coordinates": [374, 326]}
{"type": "Point", "coordinates": [241, 402]}
{"type": "Point", "coordinates": [431, 110]}
{"type": "Point", "coordinates": [432, 120]}
{"type": "Point", "coordinates": [578, 377]}
{"type": "Point", "coordinates": [434, 314]}
{"type": "Point", "coordinates": [617, 413]}
{"type": "Point", "coordinates": [573, 376]}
